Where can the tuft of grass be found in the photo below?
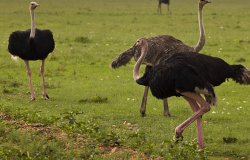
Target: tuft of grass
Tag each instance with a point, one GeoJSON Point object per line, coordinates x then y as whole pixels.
{"type": "Point", "coordinates": [229, 139]}
{"type": "Point", "coordinates": [240, 60]}
{"type": "Point", "coordinates": [82, 39]}
{"type": "Point", "coordinates": [95, 99]}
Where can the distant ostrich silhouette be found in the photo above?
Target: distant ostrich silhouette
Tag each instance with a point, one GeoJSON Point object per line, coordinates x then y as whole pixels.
{"type": "Point", "coordinates": [160, 48]}
{"type": "Point", "coordinates": [32, 44]}
{"type": "Point", "coordinates": [189, 74]}
{"type": "Point", "coordinates": [159, 5]}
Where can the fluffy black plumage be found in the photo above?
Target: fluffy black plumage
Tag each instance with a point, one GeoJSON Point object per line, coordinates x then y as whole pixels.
{"type": "Point", "coordinates": [189, 71]}
{"type": "Point", "coordinates": [38, 48]}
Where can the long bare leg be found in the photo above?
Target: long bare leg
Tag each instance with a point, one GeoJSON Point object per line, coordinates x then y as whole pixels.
{"type": "Point", "coordinates": [205, 107]}
{"type": "Point", "coordinates": [42, 72]}
{"type": "Point", "coordinates": [165, 107]}
{"type": "Point", "coordinates": [168, 9]}
{"type": "Point", "coordinates": [144, 102]}
{"type": "Point", "coordinates": [160, 8]}
{"type": "Point", "coordinates": [195, 108]}
{"type": "Point", "coordinates": [145, 95]}
{"type": "Point", "coordinates": [29, 74]}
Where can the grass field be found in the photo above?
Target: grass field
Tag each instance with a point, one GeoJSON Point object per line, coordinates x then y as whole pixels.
{"type": "Point", "coordinates": [88, 35]}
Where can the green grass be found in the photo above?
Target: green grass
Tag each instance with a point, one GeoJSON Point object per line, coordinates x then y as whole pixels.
{"type": "Point", "coordinates": [89, 34]}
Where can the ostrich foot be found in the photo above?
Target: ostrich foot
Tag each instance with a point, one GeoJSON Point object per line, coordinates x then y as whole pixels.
{"type": "Point", "coordinates": [168, 115]}
{"type": "Point", "coordinates": [143, 112]}
{"type": "Point", "coordinates": [177, 139]}
{"type": "Point", "coordinates": [32, 99]}
{"type": "Point", "coordinates": [46, 97]}
{"type": "Point", "coordinates": [178, 136]}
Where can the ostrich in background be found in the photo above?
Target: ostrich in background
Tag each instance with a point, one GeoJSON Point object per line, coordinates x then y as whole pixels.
{"type": "Point", "coordinates": [189, 74]}
{"type": "Point", "coordinates": [160, 48]}
{"type": "Point", "coordinates": [32, 44]}
{"type": "Point", "coordinates": [159, 5]}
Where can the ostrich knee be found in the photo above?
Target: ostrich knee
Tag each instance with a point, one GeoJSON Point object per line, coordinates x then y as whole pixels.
{"type": "Point", "coordinates": [29, 73]}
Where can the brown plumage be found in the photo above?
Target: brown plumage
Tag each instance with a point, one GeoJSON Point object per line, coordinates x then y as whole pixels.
{"type": "Point", "coordinates": [159, 49]}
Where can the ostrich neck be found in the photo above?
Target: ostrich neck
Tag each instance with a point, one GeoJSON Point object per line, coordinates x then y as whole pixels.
{"type": "Point", "coordinates": [201, 42]}
{"type": "Point", "coordinates": [33, 26]}
{"type": "Point", "coordinates": [139, 62]}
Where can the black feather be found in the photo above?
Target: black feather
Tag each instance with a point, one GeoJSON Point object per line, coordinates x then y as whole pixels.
{"type": "Point", "coordinates": [188, 70]}
{"type": "Point", "coordinates": [38, 48]}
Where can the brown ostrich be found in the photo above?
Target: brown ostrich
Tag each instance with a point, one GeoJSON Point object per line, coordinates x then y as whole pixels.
{"type": "Point", "coordinates": [159, 5]}
{"type": "Point", "coordinates": [159, 49]}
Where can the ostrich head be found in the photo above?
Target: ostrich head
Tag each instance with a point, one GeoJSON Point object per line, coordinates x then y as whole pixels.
{"type": "Point", "coordinates": [33, 5]}
{"type": "Point", "coordinates": [140, 42]}
{"type": "Point", "coordinates": [204, 2]}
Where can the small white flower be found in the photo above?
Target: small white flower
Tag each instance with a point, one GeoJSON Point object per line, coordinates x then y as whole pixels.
{"type": "Point", "coordinates": [107, 44]}
{"type": "Point", "coordinates": [220, 48]}
{"type": "Point", "coordinates": [128, 99]}
{"type": "Point", "coordinates": [154, 108]}
{"type": "Point", "coordinates": [227, 103]}
{"type": "Point", "coordinates": [218, 51]}
{"type": "Point", "coordinates": [228, 113]}
{"type": "Point", "coordinates": [118, 76]}
{"type": "Point", "coordinates": [223, 99]}
{"type": "Point", "coordinates": [244, 101]}
{"type": "Point", "coordinates": [222, 112]}
{"type": "Point", "coordinates": [238, 109]}
{"type": "Point", "coordinates": [224, 109]}
{"type": "Point", "coordinates": [232, 91]}
{"type": "Point", "coordinates": [133, 99]}
{"type": "Point", "coordinates": [101, 79]}
{"type": "Point", "coordinates": [213, 112]}
{"type": "Point", "coordinates": [209, 37]}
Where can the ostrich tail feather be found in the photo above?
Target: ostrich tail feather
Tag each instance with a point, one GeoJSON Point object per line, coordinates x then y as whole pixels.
{"type": "Point", "coordinates": [15, 58]}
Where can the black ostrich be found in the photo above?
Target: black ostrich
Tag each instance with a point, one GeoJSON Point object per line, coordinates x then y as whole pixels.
{"type": "Point", "coordinates": [159, 5]}
{"type": "Point", "coordinates": [32, 44]}
{"type": "Point", "coordinates": [189, 74]}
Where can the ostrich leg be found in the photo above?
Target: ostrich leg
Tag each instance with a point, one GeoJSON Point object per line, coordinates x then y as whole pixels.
{"type": "Point", "coordinates": [159, 8]}
{"type": "Point", "coordinates": [169, 10]}
{"type": "Point", "coordinates": [144, 100]}
{"type": "Point", "coordinates": [195, 108]}
{"type": "Point", "coordinates": [145, 95]}
{"type": "Point", "coordinates": [205, 107]}
{"type": "Point", "coordinates": [42, 72]}
{"type": "Point", "coordinates": [29, 74]}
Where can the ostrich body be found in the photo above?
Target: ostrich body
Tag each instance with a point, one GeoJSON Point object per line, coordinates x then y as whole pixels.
{"type": "Point", "coordinates": [32, 44]}
{"type": "Point", "coordinates": [189, 74]}
{"type": "Point", "coordinates": [159, 5]}
{"type": "Point", "coordinates": [159, 49]}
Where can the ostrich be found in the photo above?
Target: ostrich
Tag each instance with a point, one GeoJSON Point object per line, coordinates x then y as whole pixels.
{"type": "Point", "coordinates": [160, 48]}
{"type": "Point", "coordinates": [189, 74]}
{"type": "Point", "coordinates": [159, 5]}
{"type": "Point", "coordinates": [32, 44]}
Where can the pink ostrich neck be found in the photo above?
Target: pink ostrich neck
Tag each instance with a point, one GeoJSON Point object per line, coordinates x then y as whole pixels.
{"type": "Point", "coordinates": [33, 26]}
{"type": "Point", "coordinates": [144, 50]}
{"type": "Point", "coordinates": [201, 42]}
